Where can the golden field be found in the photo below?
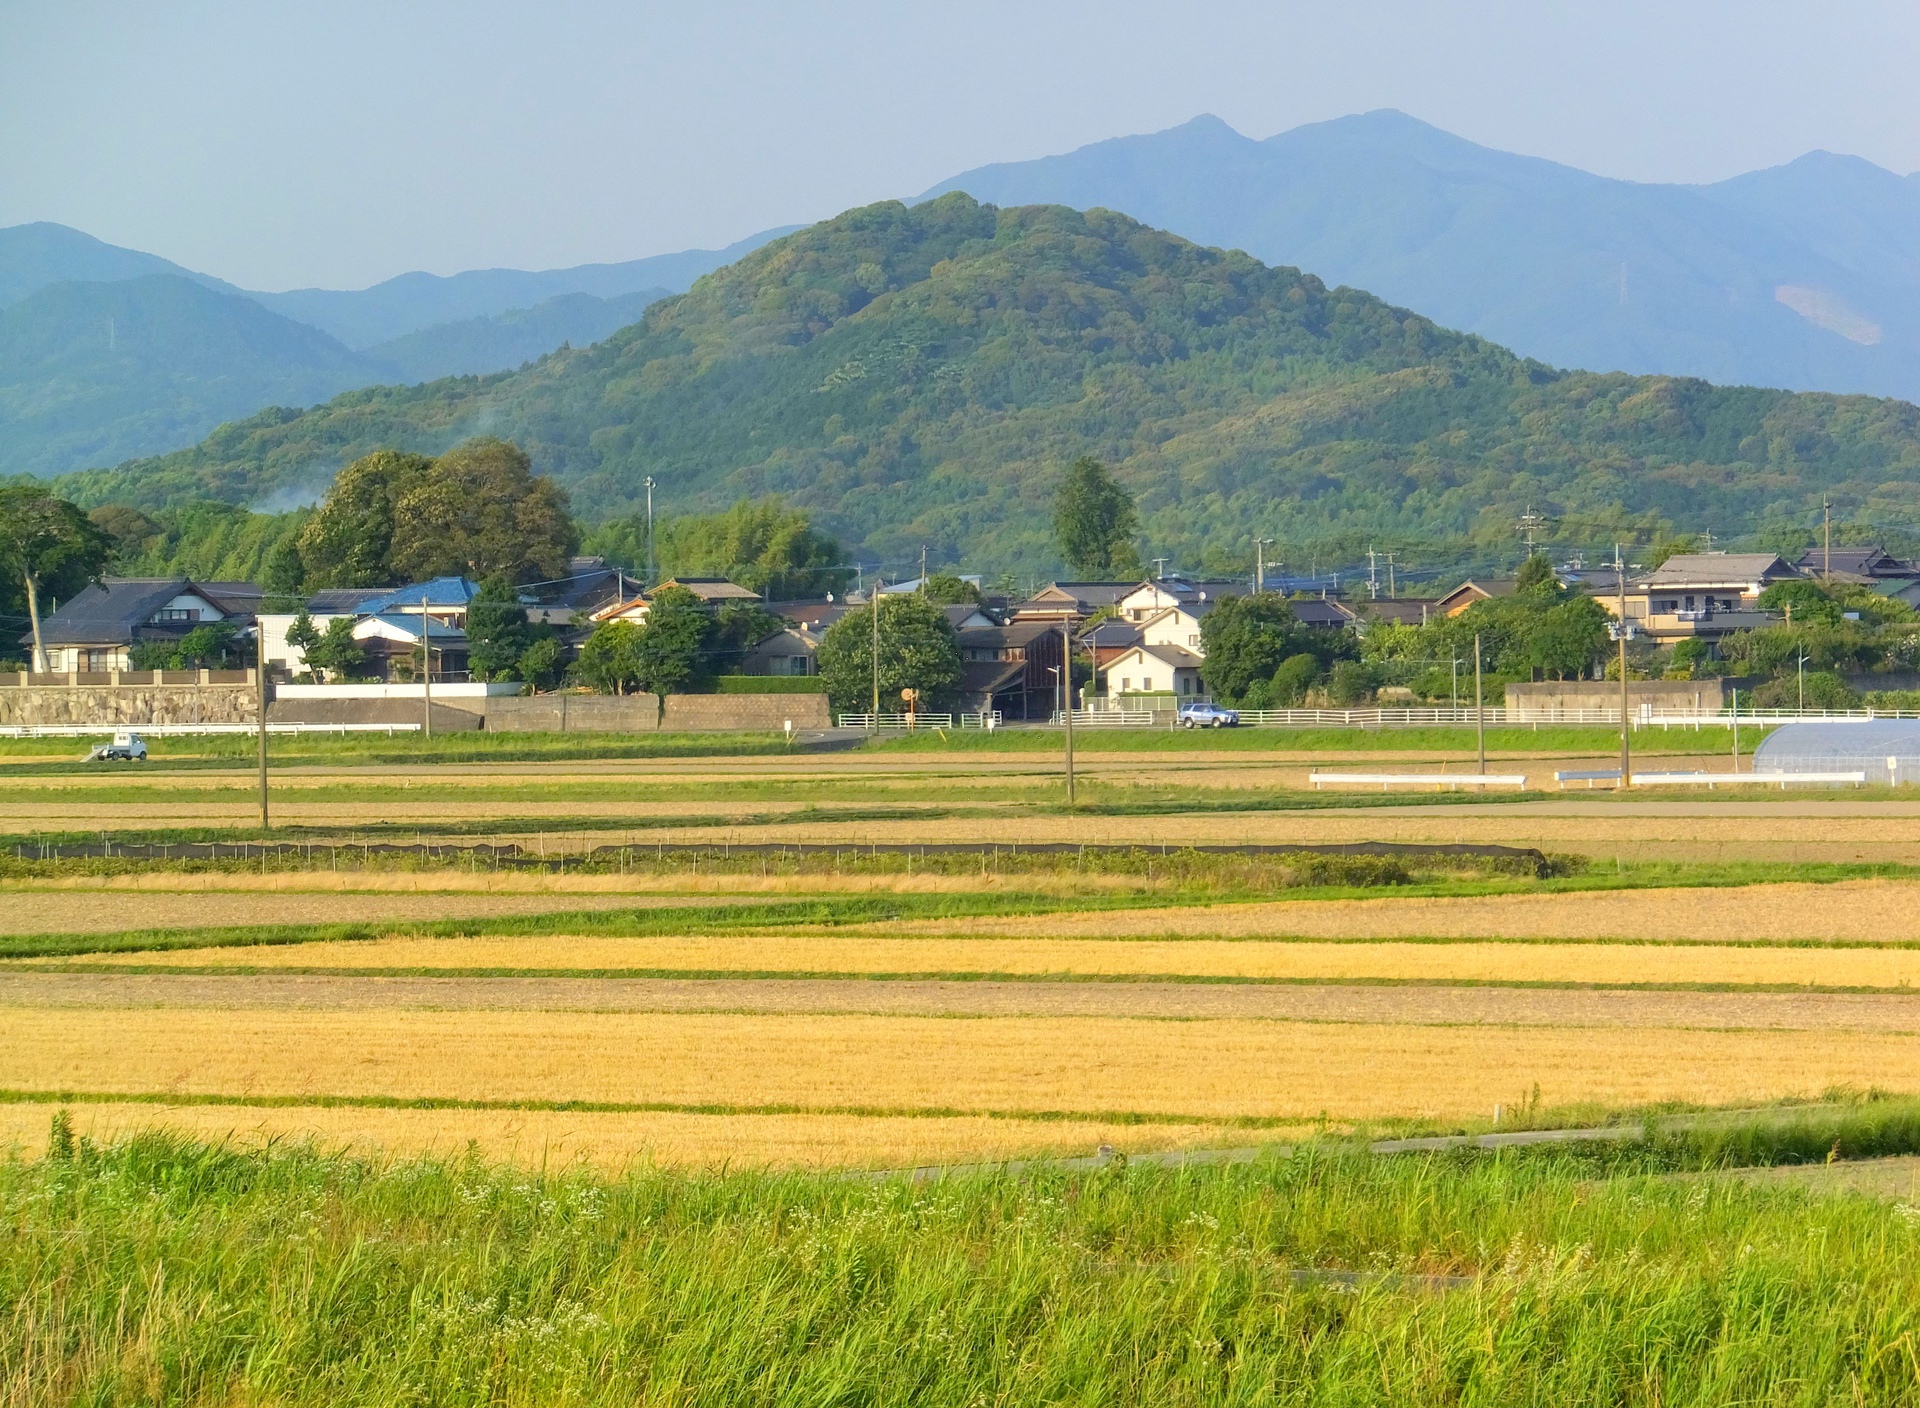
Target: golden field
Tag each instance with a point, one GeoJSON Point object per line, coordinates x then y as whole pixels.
{"type": "Point", "coordinates": [1385, 1008]}
{"type": "Point", "coordinates": [1093, 1067]}
{"type": "Point", "coordinates": [1606, 964]}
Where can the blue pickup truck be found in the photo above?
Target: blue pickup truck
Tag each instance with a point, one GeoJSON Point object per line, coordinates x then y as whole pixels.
{"type": "Point", "coordinates": [1208, 716]}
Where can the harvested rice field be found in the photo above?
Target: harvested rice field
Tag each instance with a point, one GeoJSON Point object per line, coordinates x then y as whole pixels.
{"type": "Point", "coordinates": [1595, 963]}
{"type": "Point", "coordinates": [1041, 1012]}
{"type": "Point", "coordinates": [1095, 1067]}
{"type": "Point", "coordinates": [1413, 1005]}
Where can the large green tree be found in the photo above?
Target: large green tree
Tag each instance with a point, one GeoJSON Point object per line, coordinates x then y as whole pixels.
{"type": "Point", "coordinates": [763, 544]}
{"type": "Point", "coordinates": [497, 633]}
{"type": "Point", "coordinates": [1094, 520]}
{"type": "Point", "coordinates": [668, 656]}
{"type": "Point", "coordinates": [349, 541]}
{"type": "Point", "coordinates": [479, 510]}
{"type": "Point", "coordinates": [47, 545]}
{"type": "Point", "coordinates": [918, 651]}
{"type": "Point", "coordinates": [1246, 640]}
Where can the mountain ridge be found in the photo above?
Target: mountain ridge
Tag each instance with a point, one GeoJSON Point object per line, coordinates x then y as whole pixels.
{"type": "Point", "coordinates": [1558, 263]}
{"type": "Point", "coordinates": [920, 374]}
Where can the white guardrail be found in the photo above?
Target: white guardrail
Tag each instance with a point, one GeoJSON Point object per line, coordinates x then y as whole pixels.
{"type": "Point", "coordinates": [989, 720]}
{"type": "Point", "coordinates": [183, 730]}
{"type": "Point", "coordinates": [1384, 780]}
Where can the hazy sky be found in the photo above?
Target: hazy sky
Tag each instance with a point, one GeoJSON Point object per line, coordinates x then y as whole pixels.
{"type": "Point", "coordinates": [338, 143]}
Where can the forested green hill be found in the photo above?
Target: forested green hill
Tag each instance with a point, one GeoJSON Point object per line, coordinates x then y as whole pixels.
{"type": "Point", "coordinates": [922, 375]}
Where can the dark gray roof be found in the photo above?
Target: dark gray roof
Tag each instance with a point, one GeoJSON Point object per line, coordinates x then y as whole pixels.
{"type": "Point", "coordinates": [343, 601]}
{"type": "Point", "coordinates": [109, 612]}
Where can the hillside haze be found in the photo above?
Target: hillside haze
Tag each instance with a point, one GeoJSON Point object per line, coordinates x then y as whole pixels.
{"type": "Point", "coordinates": [920, 375]}
{"type": "Point", "coordinates": [1806, 276]}
{"type": "Point", "coordinates": [74, 394]}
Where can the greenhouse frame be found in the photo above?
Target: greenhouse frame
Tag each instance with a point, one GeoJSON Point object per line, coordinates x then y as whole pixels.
{"type": "Point", "coordinates": [1886, 750]}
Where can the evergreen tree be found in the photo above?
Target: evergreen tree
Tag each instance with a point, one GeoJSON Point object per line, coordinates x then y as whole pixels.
{"type": "Point", "coordinates": [1094, 520]}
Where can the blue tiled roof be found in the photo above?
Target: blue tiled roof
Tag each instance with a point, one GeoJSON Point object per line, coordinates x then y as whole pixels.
{"type": "Point", "coordinates": [410, 625]}
{"type": "Point", "coordinates": [441, 591]}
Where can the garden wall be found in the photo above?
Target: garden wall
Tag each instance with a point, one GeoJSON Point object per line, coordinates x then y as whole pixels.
{"type": "Point", "coordinates": [87, 705]}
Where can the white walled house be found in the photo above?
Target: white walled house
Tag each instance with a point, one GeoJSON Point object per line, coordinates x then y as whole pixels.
{"type": "Point", "coordinates": [1176, 626]}
{"type": "Point", "coordinates": [1154, 669]}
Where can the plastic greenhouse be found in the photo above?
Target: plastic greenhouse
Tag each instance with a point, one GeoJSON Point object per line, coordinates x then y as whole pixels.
{"type": "Point", "coordinates": [1886, 750]}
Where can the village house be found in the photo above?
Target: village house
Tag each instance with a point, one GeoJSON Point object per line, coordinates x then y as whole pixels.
{"type": "Point", "coordinates": [94, 631]}
{"type": "Point", "coordinates": [1154, 669]}
{"type": "Point", "coordinates": [1703, 595]}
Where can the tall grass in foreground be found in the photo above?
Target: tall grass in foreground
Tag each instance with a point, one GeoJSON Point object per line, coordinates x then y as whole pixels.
{"type": "Point", "coordinates": [163, 1271]}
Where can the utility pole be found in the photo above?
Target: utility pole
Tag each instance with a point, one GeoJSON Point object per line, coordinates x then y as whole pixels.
{"type": "Point", "coordinates": [426, 670]}
{"type": "Point", "coordinates": [1479, 708]}
{"type": "Point", "coordinates": [923, 569]}
{"type": "Point", "coordinates": [1393, 590]}
{"type": "Point", "coordinates": [1066, 682]}
{"type": "Point", "coordinates": [1373, 580]}
{"type": "Point", "coordinates": [1530, 524]}
{"type": "Point", "coordinates": [874, 602]}
{"type": "Point", "coordinates": [260, 641]}
{"type": "Point", "coordinates": [1826, 511]}
{"type": "Point", "coordinates": [1160, 568]}
{"type": "Point", "coordinates": [1259, 565]}
{"type": "Point", "coordinates": [649, 530]}
{"type": "Point", "coordinates": [1623, 631]}
{"type": "Point", "coordinates": [1736, 728]}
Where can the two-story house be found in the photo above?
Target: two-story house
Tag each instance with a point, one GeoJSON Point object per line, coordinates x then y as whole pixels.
{"type": "Point", "coordinates": [1702, 595]}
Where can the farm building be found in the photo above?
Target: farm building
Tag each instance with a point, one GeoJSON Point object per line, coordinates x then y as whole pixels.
{"type": "Point", "coordinates": [1886, 750]}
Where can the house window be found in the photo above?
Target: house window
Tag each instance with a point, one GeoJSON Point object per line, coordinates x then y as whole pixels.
{"type": "Point", "coordinates": [94, 662]}
{"type": "Point", "coordinates": [1146, 683]}
{"type": "Point", "coordinates": [1126, 684]}
{"type": "Point", "coordinates": [173, 613]}
{"type": "Point", "coordinates": [796, 664]}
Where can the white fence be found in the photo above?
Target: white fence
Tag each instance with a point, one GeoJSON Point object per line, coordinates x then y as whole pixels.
{"type": "Point", "coordinates": [987, 720]}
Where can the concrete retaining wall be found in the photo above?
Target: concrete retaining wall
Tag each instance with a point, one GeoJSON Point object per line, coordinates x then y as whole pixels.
{"type": "Point", "coordinates": [641, 713]}
{"type": "Point", "coordinates": [446, 718]}
{"type": "Point", "coordinates": [1551, 698]}
{"type": "Point", "coordinates": [129, 704]}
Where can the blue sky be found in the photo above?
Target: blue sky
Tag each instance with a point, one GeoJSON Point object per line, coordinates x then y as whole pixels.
{"type": "Point", "coordinates": [282, 144]}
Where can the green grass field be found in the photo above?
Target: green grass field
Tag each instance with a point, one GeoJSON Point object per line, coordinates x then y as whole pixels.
{"type": "Point", "coordinates": [166, 1271]}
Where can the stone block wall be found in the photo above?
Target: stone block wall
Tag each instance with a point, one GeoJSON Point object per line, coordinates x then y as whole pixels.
{"type": "Point", "coordinates": [102, 705]}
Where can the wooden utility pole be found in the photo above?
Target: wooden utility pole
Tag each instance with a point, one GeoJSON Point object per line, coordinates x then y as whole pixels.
{"type": "Point", "coordinates": [1066, 677]}
{"type": "Point", "coordinates": [260, 655]}
{"type": "Point", "coordinates": [1622, 631]}
{"type": "Point", "coordinates": [876, 649]}
{"type": "Point", "coordinates": [1479, 709]}
{"type": "Point", "coordinates": [1826, 513]}
{"type": "Point", "coordinates": [426, 669]}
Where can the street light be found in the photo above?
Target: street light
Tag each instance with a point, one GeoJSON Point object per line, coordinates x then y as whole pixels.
{"type": "Point", "coordinates": [1803, 681]}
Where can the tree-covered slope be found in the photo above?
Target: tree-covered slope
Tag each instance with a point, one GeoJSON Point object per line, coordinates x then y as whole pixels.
{"type": "Point", "coordinates": [924, 374]}
{"type": "Point", "coordinates": [91, 372]}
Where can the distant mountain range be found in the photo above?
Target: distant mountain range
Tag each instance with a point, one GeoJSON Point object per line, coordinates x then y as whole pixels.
{"type": "Point", "coordinates": [1804, 276]}
{"type": "Point", "coordinates": [107, 353]}
{"type": "Point", "coordinates": [920, 376]}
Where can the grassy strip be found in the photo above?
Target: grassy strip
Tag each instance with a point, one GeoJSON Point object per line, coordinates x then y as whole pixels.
{"type": "Point", "coordinates": [178, 1271]}
{"type": "Point", "coordinates": [830, 911]}
{"type": "Point", "coordinates": [1437, 738]}
{"type": "Point", "coordinates": [378, 750]}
